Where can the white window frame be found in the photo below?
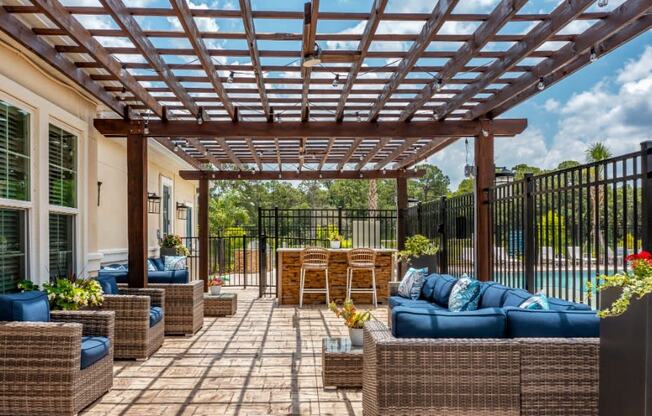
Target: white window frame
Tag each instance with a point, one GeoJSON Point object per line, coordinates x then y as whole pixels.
{"type": "Point", "coordinates": [167, 182]}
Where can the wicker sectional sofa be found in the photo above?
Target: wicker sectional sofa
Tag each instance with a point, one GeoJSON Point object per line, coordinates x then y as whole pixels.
{"type": "Point", "coordinates": [500, 375]}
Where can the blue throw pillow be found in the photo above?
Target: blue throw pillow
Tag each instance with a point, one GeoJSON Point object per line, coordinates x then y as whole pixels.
{"type": "Point", "coordinates": [412, 282]}
{"type": "Point", "coordinates": [443, 287]}
{"type": "Point", "coordinates": [150, 266]}
{"type": "Point", "coordinates": [429, 286]}
{"type": "Point", "coordinates": [175, 263]}
{"type": "Point", "coordinates": [465, 295]}
{"type": "Point", "coordinates": [536, 302]}
{"type": "Point", "coordinates": [493, 295]}
{"type": "Point", "coordinates": [108, 284]}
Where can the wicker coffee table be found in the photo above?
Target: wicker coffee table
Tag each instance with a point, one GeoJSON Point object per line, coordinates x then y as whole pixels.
{"type": "Point", "coordinates": [341, 363]}
{"type": "Point", "coordinates": [223, 304]}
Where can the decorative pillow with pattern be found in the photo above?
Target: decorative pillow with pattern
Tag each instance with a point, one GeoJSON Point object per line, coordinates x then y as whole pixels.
{"type": "Point", "coordinates": [150, 266]}
{"type": "Point", "coordinates": [465, 295]}
{"type": "Point", "coordinates": [536, 302]}
{"type": "Point", "coordinates": [175, 262]}
{"type": "Point", "coordinates": [412, 283]}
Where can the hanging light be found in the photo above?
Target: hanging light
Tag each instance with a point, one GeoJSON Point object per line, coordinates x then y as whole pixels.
{"type": "Point", "coordinates": [182, 211]}
{"type": "Point", "coordinates": [200, 116]}
{"type": "Point", "coordinates": [435, 115]}
{"type": "Point", "coordinates": [123, 71]}
{"type": "Point", "coordinates": [176, 148]}
{"type": "Point", "coordinates": [121, 94]}
{"type": "Point", "coordinates": [153, 203]}
{"type": "Point", "coordinates": [541, 85]}
{"type": "Point", "coordinates": [336, 81]}
{"type": "Point", "coordinates": [358, 117]}
{"type": "Point", "coordinates": [594, 55]}
{"type": "Point", "coordinates": [277, 117]}
{"type": "Point", "coordinates": [485, 133]}
{"type": "Point", "coordinates": [312, 59]}
{"type": "Point", "coordinates": [146, 127]}
{"type": "Point", "coordinates": [439, 83]}
{"type": "Point", "coordinates": [229, 79]}
{"type": "Point", "coordinates": [603, 3]}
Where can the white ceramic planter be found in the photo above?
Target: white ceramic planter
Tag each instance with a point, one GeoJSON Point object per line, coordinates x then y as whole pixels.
{"type": "Point", "coordinates": [336, 244]}
{"type": "Point", "coordinates": [215, 290]}
{"type": "Point", "coordinates": [356, 336]}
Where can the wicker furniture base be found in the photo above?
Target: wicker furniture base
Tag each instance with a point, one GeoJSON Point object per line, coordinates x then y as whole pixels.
{"type": "Point", "coordinates": [184, 307]}
{"type": "Point", "coordinates": [341, 363]}
{"type": "Point", "coordinates": [224, 304]}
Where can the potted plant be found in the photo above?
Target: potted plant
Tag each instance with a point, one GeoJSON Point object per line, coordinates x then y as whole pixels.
{"type": "Point", "coordinates": [335, 239]}
{"type": "Point", "coordinates": [625, 337]}
{"type": "Point", "coordinates": [215, 284]}
{"type": "Point", "coordinates": [419, 252]}
{"type": "Point", "coordinates": [72, 294]}
{"type": "Point", "coordinates": [353, 319]}
{"type": "Point", "coordinates": [171, 245]}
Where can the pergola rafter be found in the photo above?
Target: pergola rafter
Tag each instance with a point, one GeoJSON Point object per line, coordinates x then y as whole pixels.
{"type": "Point", "coordinates": [250, 33]}
{"type": "Point", "coordinates": [311, 10]}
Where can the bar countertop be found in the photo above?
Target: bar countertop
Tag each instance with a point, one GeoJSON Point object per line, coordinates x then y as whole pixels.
{"type": "Point", "coordinates": [337, 250]}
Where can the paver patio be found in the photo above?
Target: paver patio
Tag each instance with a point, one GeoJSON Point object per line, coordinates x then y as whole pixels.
{"type": "Point", "coordinates": [264, 360]}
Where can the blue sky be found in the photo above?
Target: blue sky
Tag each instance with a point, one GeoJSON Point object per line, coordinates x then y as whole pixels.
{"type": "Point", "coordinates": [610, 100]}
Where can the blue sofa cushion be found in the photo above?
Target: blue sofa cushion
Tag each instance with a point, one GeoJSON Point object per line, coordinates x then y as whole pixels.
{"type": "Point", "coordinates": [93, 349]}
{"type": "Point", "coordinates": [493, 296]}
{"type": "Point", "coordinates": [429, 286]}
{"type": "Point", "coordinates": [395, 301]}
{"type": "Point", "coordinates": [172, 276]}
{"type": "Point", "coordinates": [464, 296]}
{"type": "Point", "coordinates": [108, 283]}
{"type": "Point", "coordinates": [564, 305]}
{"type": "Point", "coordinates": [421, 323]}
{"type": "Point", "coordinates": [527, 323]}
{"type": "Point", "coordinates": [443, 287]}
{"type": "Point", "coordinates": [412, 282]}
{"type": "Point", "coordinates": [516, 297]}
{"type": "Point", "coordinates": [155, 315]}
{"type": "Point", "coordinates": [158, 263]}
{"type": "Point", "coordinates": [26, 306]}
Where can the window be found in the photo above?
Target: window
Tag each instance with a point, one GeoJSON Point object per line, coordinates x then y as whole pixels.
{"type": "Point", "coordinates": [62, 256]}
{"type": "Point", "coordinates": [166, 208]}
{"type": "Point", "coordinates": [62, 167]}
{"type": "Point", "coordinates": [14, 153]}
{"type": "Point", "coordinates": [13, 231]}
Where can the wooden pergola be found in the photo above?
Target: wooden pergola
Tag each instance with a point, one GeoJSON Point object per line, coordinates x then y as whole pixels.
{"type": "Point", "coordinates": [364, 112]}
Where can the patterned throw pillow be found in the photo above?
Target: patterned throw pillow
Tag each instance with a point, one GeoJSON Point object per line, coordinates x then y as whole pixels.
{"type": "Point", "coordinates": [412, 283]}
{"type": "Point", "coordinates": [465, 295]}
{"type": "Point", "coordinates": [150, 266]}
{"type": "Point", "coordinates": [536, 302]}
{"type": "Point", "coordinates": [175, 262]}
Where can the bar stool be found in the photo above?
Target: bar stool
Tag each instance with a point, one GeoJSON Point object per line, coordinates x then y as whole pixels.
{"type": "Point", "coordinates": [313, 258]}
{"type": "Point", "coordinates": [361, 259]}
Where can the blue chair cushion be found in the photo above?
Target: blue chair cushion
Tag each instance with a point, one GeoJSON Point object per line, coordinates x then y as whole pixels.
{"type": "Point", "coordinates": [442, 291]}
{"type": "Point", "coordinates": [93, 349]}
{"type": "Point", "coordinates": [421, 323]}
{"type": "Point", "coordinates": [171, 276]}
{"type": "Point", "coordinates": [158, 263]}
{"type": "Point", "coordinates": [464, 295]}
{"type": "Point", "coordinates": [108, 283]}
{"type": "Point", "coordinates": [516, 297]}
{"type": "Point", "coordinates": [493, 295]}
{"type": "Point", "coordinates": [26, 306]}
{"type": "Point", "coordinates": [429, 286]}
{"type": "Point", "coordinates": [395, 301]}
{"type": "Point", "coordinates": [155, 315]}
{"type": "Point", "coordinates": [528, 323]}
{"type": "Point", "coordinates": [557, 304]}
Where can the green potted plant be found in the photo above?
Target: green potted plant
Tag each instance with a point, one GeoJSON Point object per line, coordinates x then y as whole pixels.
{"type": "Point", "coordinates": [419, 252]}
{"type": "Point", "coordinates": [625, 337]}
{"type": "Point", "coordinates": [172, 245]}
{"type": "Point", "coordinates": [72, 294]}
{"type": "Point", "coordinates": [215, 284]}
{"type": "Point", "coordinates": [353, 319]}
{"type": "Point", "coordinates": [335, 239]}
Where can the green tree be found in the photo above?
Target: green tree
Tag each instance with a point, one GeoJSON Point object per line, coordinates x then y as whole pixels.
{"type": "Point", "coordinates": [521, 169]}
{"type": "Point", "coordinates": [567, 164]}
{"type": "Point", "coordinates": [430, 186]}
{"type": "Point", "coordinates": [464, 187]}
{"type": "Point", "coordinates": [597, 152]}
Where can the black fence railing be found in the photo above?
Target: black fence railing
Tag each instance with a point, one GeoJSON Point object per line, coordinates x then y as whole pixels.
{"type": "Point", "coordinates": [552, 232]}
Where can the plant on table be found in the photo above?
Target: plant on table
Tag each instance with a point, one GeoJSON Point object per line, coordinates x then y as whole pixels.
{"type": "Point", "coordinates": [416, 246]}
{"type": "Point", "coordinates": [72, 294]}
{"type": "Point", "coordinates": [634, 283]}
{"type": "Point", "coordinates": [216, 280]}
{"type": "Point", "coordinates": [352, 317]}
{"type": "Point", "coordinates": [334, 235]}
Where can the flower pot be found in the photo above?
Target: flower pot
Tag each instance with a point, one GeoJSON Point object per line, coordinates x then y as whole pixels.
{"type": "Point", "coordinates": [429, 261]}
{"type": "Point", "coordinates": [336, 244]}
{"type": "Point", "coordinates": [168, 251]}
{"type": "Point", "coordinates": [356, 336]}
{"type": "Point", "coordinates": [215, 290]}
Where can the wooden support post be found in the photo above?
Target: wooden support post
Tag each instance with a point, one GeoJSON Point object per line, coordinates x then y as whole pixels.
{"type": "Point", "coordinates": [485, 177]}
{"type": "Point", "coordinates": [401, 207]}
{"type": "Point", "coordinates": [203, 232]}
{"type": "Point", "coordinates": [137, 209]}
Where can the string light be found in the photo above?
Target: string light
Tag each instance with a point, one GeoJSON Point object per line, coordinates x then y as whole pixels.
{"type": "Point", "coordinates": [485, 133]}
{"type": "Point", "coordinates": [541, 85]}
{"type": "Point", "coordinates": [229, 79]}
{"type": "Point", "coordinates": [439, 84]}
{"type": "Point", "coordinates": [603, 3]}
{"type": "Point", "coordinates": [357, 116]}
{"type": "Point", "coordinates": [121, 94]}
{"type": "Point", "coordinates": [123, 71]}
{"type": "Point", "coordinates": [277, 117]}
{"type": "Point", "coordinates": [336, 81]}
{"type": "Point", "coordinates": [146, 127]}
{"type": "Point", "coordinates": [435, 115]}
{"type": "Point", "coordinates": [594, 55]}
{"type": "Point", "coordinates": [200, 116]}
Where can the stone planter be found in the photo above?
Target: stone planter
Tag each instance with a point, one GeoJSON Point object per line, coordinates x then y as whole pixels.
{"type": "Point", "coordinates": [431, 262]}
{"type": "Point", "coordinates": [168, 251]}
{"type": "Point", "coordinates": [356, 336]}
{"type": "Point", "coordinates": [215, 290]}
{"type": "Point", "coordinates": [626, 358]}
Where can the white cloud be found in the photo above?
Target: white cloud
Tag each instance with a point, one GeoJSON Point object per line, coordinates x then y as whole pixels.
{"type": "Point", "coordinates": [551, 105]}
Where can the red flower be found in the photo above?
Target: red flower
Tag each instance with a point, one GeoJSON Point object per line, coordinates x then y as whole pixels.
{"type": "Point", "coordinates": [643, 255]}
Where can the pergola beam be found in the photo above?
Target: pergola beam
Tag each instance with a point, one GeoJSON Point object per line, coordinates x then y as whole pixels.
{"type": "Point", "coordinates": [167, 143]}
{"type": "Point", "coordinates": [369, 156]}
{"type": "Point", "coordinates": [426, 129]}
{"type": "Point", "coordinates": [422, 154]}
{"type": "Point", "coordinates": [194, 142]}
{"type": "Point", "coordinates": [349, 153]}
{"type": "Point", "coordinates": [254, 153]}
{"type": "Point", "coordinates": [409, 142]}
{"type": "Point", "coordinates": [303, 175]}
{"type": "Point", "coordinates": [250, 33]}
{"type": "Point", "coordinates": [229, 153]}
{"type": "Point", "coordinates": [311, 11]}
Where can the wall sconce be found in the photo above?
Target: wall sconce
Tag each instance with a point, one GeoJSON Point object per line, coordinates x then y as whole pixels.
{"type": "Point", "coordinates": [99, 191]}
{"type": "Point", "coordinates": [153, 203]}
{"type": "Point", "coordinates": [182, 211]}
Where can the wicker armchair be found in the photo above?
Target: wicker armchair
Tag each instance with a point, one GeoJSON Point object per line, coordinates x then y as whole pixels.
{"type": "Point", "coordinates": [184, 306]}
{"type": "Point", "coordinates": [134, 338]}
{"type": "Point", "coordinates": [40, 364]}
{"type": "Point", "coordinates": [531, 376]}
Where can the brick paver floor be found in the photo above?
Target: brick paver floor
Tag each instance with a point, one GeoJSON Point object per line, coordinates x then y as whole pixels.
{"type": "Point", "coordinates": [265, 360]}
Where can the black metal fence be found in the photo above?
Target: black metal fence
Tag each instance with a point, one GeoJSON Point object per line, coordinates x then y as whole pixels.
{"type": "Point", "coordinates": [552, 232]}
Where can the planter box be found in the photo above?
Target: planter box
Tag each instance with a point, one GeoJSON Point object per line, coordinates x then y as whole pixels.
{"type": "Point", "coordinates": [431, 262]}
{"type": "Point", "coordinates": [168, 251]}
{"type": "Point", "coordinates": [626, 358]}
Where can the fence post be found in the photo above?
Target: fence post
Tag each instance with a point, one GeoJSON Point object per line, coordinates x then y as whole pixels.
{"type": "Point", "coordinates": [529, 231]}
{"type": "Point", "coordinates": [244, 258]}
{"type": "Point", "coordinates": [262, 265]}
{"type": "Point", "coordinates": [339, 220]}
{"type": "Point", "coordinates": [276, 271]}
{"type": "Point", "coordinates": [419, 219]}
{"type": "Point", "coordinates": [646, 189]}
{"type": "Point", "coordinates": [443, 232]}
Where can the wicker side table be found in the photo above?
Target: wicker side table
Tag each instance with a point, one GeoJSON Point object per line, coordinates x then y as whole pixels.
{"type": "Point", "coordinates": [223, 304]}
{"type": "Point", "coordinates": [341, 363]}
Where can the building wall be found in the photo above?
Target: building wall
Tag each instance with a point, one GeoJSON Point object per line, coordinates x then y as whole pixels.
{"type": "Point", "coordinates": [101, 231]}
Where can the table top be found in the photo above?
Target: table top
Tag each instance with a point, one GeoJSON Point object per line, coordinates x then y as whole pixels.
{"type": "Point", "coordinates": [225, 296]}
{"type": "Point", "coordinates": [335, 250]}
{"type": "Point", "coordinates": [339, 346]}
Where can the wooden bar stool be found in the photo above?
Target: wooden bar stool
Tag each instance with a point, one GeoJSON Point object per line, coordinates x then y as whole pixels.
{"type": "Point", "coordinates": [313, 258]}
{"type": "Point", "coordinates": [361, 259]}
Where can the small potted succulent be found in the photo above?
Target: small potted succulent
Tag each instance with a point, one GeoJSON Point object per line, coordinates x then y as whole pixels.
{"type": "Point", "coordinates": [172, 245]}
{"type": "Point", "coordinates": [419, 252]}
{"type": "Point", "coordinates": [335, 239]}
{"type": "Point", "coordinates": [353, 319]}
{"type": "Point", "coordinates": [215, 284]}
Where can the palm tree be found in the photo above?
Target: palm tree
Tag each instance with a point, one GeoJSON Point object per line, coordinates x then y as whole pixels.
{"type": "Point", "coordinates": [372, 195]}
{"type": "Point", "coordinates": [597, 152]}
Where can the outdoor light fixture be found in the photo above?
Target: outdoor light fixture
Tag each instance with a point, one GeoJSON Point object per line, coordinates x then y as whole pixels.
{"type": "Point", "coordinates": [123, 71]}
{"type": "Point", "coordinates": [603, 3]}
{"type": "Point", "coordinates": [541, 85]}
{"type": "Point", "coordinates": [121, 94]}
{"type": "Point", "coordinates": [485, 133]}
{"type": "Point", "coordinates": [182, 211]}
{"type": "Point", "coordinates": [469, 171]}
{"type": "Point", "coordinates": [336, 81]}
{"type": "Point", "coordinates": [314, 58]}
{"type": "Point", "coordinates": [229, 80]}
{"type": "Point", "coordinates": [200, 116]}
{"type": "Point", "coordinates": [439, 84]}
{"type": "Point", "coordinates": [153, 203]}
{"type": "Point", "coordinates": [594, 55]}
{"type": "Point", "coordinates": [504, 175]}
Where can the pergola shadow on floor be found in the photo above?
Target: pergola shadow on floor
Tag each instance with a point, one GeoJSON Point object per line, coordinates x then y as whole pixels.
{"type": "Point", "coordinates": [264, 360]}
